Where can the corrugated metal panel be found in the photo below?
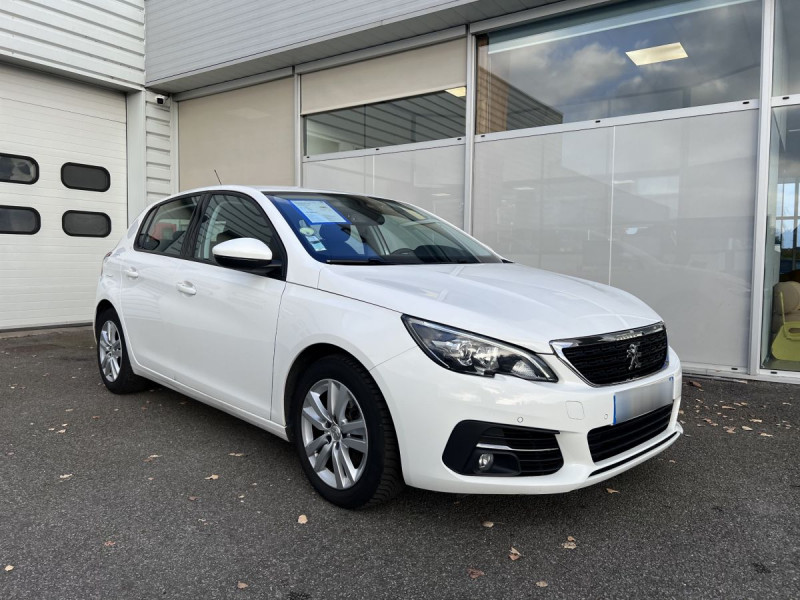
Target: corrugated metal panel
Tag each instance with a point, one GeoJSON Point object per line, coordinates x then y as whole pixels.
{"type": "Point", "coordinates": [188, 43]}
{"type": "Point", "coordinates": [96, 39]}
{"type": "Point", "coordinates": [49, 278]}
{"type": "Point", "coordinates": [158, 150]}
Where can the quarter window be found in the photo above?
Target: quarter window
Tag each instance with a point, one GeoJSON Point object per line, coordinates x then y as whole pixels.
{"type": "Point", "coordinates": [20, 220]}
{"type": "Point", "coordinates": [78, 223]}
{"type": "Point", "coordinates": [230, 217]}
{"type": "Point", "coordinates": [165, 228]}
{"type": "Point", "coordinates": [18, 169]}
{"type": "Point", "coordinates": [85, 177]}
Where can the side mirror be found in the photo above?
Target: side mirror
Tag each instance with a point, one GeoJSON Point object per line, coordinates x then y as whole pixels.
{"type": "Point", "coordinates": [245, 254]}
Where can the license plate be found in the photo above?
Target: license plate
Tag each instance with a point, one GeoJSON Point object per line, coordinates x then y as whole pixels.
{"type": "Point", "coordinates": [635, 402]}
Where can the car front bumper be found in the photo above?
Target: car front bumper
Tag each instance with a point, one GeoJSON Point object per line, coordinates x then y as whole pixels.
{"type": "Point", "coordinates": [427, 401]}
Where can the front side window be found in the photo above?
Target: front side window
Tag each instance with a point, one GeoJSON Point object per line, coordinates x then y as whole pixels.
{"type": "Point", "coordinates": [19, 220]}
{"type": "Point", "coordinates": [229, 217]}
{"type": "Point", "coordinates": [636, 57]}
{"type": "Point", "coordinates": [78, 223]}
{"type": "Point", "coordinates": [362, 230]}
{"type": "Point", "coordinates": [164, 229]}
{"type": "Point", "coordinates": [423, 118]}
{"type": "Point", "coordinates": [18, 169]}
{"type": "Point", "coordinates": [85, 177]}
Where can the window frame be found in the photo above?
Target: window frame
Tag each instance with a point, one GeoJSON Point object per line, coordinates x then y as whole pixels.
{"type": "Point", "coordinates": [85, 212]}
{"type": "Point", "coordinates": [86, 189]}
{"type": "Point", "coordinates": [151, 214]}
{"type": "Point", "coordinates": [194, 231]}
{"type": "Point", "coordinates": [29, 159]}
{"type": "Point", "coordinates": [28, 208]}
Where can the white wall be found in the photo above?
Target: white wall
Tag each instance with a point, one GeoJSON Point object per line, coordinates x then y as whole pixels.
{"type": "Point", "coordinates": [100, 40]}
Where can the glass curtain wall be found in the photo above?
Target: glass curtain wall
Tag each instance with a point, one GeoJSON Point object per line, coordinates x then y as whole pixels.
{"type": "Point", "coordinates": [780, 347]}
{"type": "Point", "coordinates": [662, 208]}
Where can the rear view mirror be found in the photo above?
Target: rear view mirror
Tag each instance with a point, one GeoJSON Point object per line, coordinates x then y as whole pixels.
{"type": "Point", "coordinates": [245, 254]}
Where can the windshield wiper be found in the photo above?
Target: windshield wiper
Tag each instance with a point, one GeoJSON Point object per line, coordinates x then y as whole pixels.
{"type": "Point", "coordinates": [357, 261]}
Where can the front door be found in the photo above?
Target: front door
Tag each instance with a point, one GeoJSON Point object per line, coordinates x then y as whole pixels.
{"type": "Point", "coordinates": [228, 319]}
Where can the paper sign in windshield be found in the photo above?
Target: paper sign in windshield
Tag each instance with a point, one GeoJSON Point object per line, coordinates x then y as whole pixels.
{"type": "Point", "coordinates": [318, 211]}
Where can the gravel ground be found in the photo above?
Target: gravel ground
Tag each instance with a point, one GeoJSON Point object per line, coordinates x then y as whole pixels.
{"type": "Point", "coordinates": [105, 496]}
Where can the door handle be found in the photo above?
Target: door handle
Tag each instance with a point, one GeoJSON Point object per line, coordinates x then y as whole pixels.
{"type": "Point", "coordinates": [184, 287]}
{"type": "Point", "coordinates": [131, 273]}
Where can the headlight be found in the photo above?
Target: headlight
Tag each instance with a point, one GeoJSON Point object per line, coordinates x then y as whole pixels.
{"type": "Point", "coordinates": [475, 355]}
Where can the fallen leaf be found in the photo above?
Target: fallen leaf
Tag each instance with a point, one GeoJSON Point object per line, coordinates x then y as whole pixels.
{"type": "Point", "coordinates": [109, 543]}
{"type": "Point", "coordinates": [242, 585]}
{"type": "Point", "coordinates": [541, 584]}
{"type": "Point", "coordinates": [766, 434]}
{"type": "Point", "coordinates": [756, 421]}
{"type": "Point", "coordinates": [570, 543]}
{"type": "Point", "coordinates": [65, 476]}
{"type": "Point", "coordinates": [302, 519]}
{"type": "Point", "coordinates": [241, 496]}
{"type": "Point", "coordinates": [475, 573]}
{"type": "Point", "coordinates": [235, 453]}
{"type": "Point", "coordinates": [570, 538]}
{"type": "Point", "coordinates": [695, 384]}
{"type": "Point", "coordinates": [488, 524]}
{"type": "Point", "coordinates": [610, 491]}
{"type": "Point", "coordinates": [193, 498]}
{"type": "Point", "coordinates": [61, 431]}
{"type": "Point", "coordinates": [69, 410]}
{"type": "Point", "coordinates": [746, 428]}
{"type": "Point", "coordinates": [728, 407]}
{"type": "Point", "coordinates": [514, 554]}
{"type": "Point", "coordinates": [95, 416]}
{"type": "Point", "coordinates": [8, 568]}
{"type": "Point", "coordinates": [213, 477]}
{"type": "Point", "coordinates": [672, 461]}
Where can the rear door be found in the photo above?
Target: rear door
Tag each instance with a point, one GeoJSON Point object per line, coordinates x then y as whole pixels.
{"type": "Point", "coordinates": [226, 319]}
{"type": "Point", "coordinates": [150, 299]}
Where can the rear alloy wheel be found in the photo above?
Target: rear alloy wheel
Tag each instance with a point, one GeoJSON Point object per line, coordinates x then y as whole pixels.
{"type": "Point", "coordinates": [344, 434]}
{"type": "Point", "coordinates": [112, 356]}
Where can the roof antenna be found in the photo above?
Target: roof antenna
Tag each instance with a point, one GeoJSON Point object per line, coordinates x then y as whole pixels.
{"type": "Point", "coordinates": [217, 174]}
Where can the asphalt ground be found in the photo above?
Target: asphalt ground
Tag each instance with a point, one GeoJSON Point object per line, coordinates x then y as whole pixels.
{"type": "Point", "coordinates": [105, 496]}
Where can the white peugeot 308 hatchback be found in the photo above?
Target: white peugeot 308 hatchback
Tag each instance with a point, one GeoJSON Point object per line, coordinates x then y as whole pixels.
{"type": "Point", "coordinates": [386, 344]}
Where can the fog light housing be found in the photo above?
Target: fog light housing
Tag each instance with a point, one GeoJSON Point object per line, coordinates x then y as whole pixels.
{"type": "Point", "coordinates": [485, 461]}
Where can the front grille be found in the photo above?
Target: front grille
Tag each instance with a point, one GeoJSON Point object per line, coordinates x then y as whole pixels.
{"type": "Point", "coordinates": [537, 451]}
{"type": "Point", "coordinates": [608, 441]}
{"type": "Point", "coordinates": [517, 450]}
{"type": "Point", "coordinates": [616, 357]}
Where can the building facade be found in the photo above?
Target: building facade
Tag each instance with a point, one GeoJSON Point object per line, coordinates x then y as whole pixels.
{"type": "Point", "coordinates": [650, 145]}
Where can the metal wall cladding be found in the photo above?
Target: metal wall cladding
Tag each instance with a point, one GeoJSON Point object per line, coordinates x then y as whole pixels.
{"type": "Point", "coordinates": [98, 39]}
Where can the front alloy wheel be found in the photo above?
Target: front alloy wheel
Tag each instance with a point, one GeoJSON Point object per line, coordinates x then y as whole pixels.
{"type": "Point", "coordinates": [344, 434]}
{"type": "Point", "coordinates": [109, 345]}
{"type": "Point", "coordinates": [334, 434]}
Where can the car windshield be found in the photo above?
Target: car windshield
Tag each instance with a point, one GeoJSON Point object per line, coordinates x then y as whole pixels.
{"type": "Point", "coordinates": [345, 229]}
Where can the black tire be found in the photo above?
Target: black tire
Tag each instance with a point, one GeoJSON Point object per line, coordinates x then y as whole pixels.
{"type": "Point", "coordinates": [381, 478]}
{"type": "Point", "coordinates": [125, 381]}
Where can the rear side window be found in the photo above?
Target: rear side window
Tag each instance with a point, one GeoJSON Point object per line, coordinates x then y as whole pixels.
{"type": "Point", "coordinates": [20, 220]}
{"type": "Point", "coordinates": [80, 223]}
{"type": "Point", "coordinates": [85, 177]}
{"type": "Point", "coordinates": [18, 169]}
{"type": "Point", "coordinates": [165, 227]}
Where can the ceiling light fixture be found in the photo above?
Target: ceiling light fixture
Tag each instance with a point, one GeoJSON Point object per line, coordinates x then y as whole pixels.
{"type": "Point", "coordinates": [657, 54]}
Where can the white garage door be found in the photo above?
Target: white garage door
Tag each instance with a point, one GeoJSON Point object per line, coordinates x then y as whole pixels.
{"type": "Point", "coordinates": [63, 195]}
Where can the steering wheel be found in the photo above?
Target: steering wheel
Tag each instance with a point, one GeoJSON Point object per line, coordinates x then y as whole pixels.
{"type": "Point", "coordinates": [402, 252]}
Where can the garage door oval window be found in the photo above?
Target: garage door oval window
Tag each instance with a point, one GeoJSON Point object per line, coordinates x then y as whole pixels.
{"type": "Point", "coordinates": [18, 169]}
{"type": "Point", "coordinates": [78, 223]}
{"type": "Point", "coordinates": [19, 220]}
{"type": "Point", "coordinates": [90, 178]}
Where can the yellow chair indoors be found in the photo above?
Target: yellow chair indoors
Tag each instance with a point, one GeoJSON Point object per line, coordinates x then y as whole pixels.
{"type": "Point", "coordinates": [786, 345]}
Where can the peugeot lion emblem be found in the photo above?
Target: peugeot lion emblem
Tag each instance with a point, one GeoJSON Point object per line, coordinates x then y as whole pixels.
{"type": "Point", "coordinates": [634, 355]}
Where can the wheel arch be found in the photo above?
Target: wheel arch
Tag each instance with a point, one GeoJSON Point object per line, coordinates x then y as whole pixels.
{"type": "Point", "coordinates": [302, 361]}
{"type": "Point", "coordinates": [102, 306]}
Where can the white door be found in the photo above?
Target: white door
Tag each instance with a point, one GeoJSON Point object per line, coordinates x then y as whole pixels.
{"type": "Point", "coordinates": [73, 137]}
{"type": "Point", "coordinates": [151, 303]}
{"type": "Point", "coordinates": [227, 319]}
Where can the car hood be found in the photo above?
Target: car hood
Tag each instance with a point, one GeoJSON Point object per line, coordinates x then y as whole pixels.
{"type": "Point", "coordinates": [517, 304]}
